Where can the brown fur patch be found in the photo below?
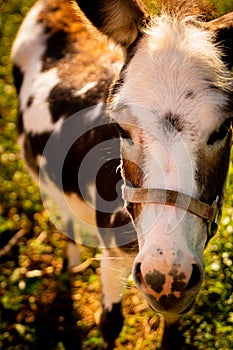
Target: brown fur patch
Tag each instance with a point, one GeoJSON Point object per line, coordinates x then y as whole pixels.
{"type": "Point", "coordinates": [134, 174]}
{"type": "Point", "coordinates": [59, 15]}
{"type": "Point", "coordinates": [79, 56]}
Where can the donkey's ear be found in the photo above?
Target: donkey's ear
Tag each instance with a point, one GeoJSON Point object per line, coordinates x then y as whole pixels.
{"type": "Point", "coordinates": [120, 20]}
{"type": "Point", "coordinates": [223, 29]}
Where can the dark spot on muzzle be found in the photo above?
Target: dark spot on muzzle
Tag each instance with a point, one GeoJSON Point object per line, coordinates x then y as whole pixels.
{"type": "Point", "coordinates": [165, 303]}
{"type": "Point", "coordinates": [155, 280]}
{"type": "Point", "coordinates": [168, 301]}
{"type": "Point", "coordinates": [178, 283]}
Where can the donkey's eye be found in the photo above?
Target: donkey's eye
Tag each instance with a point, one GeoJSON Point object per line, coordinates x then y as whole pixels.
{"type": "Point", "coordinates": [221, 132]}
{"type": "Point", "coordinates": [124, 134]}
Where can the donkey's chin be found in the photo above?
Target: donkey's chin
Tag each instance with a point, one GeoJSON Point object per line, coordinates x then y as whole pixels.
{"type": "Point", "coordinates": [171, 304]}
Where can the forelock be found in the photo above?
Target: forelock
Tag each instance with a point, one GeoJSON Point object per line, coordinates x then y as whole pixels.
{"type": "Point", "coordinates": [186, 36]}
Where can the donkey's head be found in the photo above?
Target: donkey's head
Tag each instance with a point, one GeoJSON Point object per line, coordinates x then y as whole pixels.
{"type": "Point", "coordinates": [173, 110]}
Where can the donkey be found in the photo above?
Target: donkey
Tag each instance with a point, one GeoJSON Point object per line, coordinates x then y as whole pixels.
{"type": "Point", "coordinates": [163, 138]}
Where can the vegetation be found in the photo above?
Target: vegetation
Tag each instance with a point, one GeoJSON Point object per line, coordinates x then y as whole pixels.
{"type": "Point", "coordinates": [40, 303]}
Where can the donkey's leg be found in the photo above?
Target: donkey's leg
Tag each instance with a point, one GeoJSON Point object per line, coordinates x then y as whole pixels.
{"type": "Point", "coordinates": [72, 251]}
{"type": "Point", "coordinates": [172, 337]}
{"type": "Point", "coordinates": [115, 269]}
{"type": "Point", "coordinates": [170, 333]}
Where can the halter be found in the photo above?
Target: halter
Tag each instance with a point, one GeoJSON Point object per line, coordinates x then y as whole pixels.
{"type": "Point", "coordinates": [211, 213]}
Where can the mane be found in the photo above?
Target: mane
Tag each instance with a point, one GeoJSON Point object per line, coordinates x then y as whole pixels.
{"type": "Point", "coordinates": [184, 8]}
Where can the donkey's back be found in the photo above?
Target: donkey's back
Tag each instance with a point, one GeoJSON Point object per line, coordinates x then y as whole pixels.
{"type": "Point", "coordinates": [62, 68]}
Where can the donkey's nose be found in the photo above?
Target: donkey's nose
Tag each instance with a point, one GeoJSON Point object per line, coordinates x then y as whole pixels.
{"type": "Point", "coordinates": [171, 287]}
{"type": "Point", "coordinates": [156, 279]}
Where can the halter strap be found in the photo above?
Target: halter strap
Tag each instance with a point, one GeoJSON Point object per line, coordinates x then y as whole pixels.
{"type": "Point", "coordinates": [169, 197]}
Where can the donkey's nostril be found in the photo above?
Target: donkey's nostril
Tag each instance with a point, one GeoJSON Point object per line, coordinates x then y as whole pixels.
{"type": "Point", "coordinates": [195, 277]}
{"type": "Point", "coordinates": [138, 274]}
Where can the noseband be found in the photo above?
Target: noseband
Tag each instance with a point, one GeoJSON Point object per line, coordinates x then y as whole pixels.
{"type": "Point", "coordinates": [210, 213]}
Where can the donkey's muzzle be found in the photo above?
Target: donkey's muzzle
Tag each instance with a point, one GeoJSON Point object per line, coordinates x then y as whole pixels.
{"type": "Point", "coordinates": [168, 288]}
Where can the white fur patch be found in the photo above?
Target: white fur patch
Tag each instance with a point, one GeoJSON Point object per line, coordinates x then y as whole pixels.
{"type": "Point", "coordinates": [29, 44]}
{"type": "Point", "coordinates": [37, 117]}
{"type": "Point", "coordinates": [94, 112]}
{"type": "Point", "coordinates": [27, 52]}
{"type": "Point", "coordinates": [86, 88]}
{"type": "Point", "coordinates": [115, 270]}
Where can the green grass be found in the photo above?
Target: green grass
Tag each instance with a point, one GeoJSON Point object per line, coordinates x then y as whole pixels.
{"type": "Point", "coordinates": [30, 304]}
